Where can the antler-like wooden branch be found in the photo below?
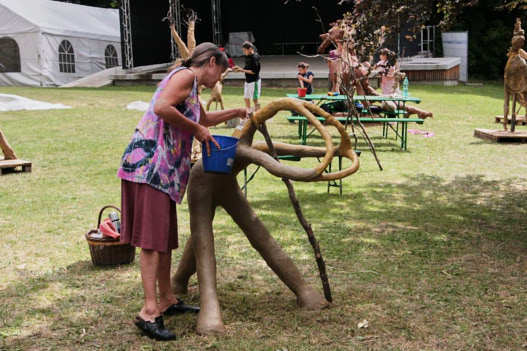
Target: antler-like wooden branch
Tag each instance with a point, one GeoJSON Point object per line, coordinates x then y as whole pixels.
{"type": "Point", "coordinates": [258, 153]}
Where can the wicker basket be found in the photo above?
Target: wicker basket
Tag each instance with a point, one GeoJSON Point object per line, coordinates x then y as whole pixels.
{"type": "Point", "coordinates": [109, 251]}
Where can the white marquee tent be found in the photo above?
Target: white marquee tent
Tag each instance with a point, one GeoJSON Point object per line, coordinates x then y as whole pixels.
{"type": "Point", "coordinates": [49, 43]}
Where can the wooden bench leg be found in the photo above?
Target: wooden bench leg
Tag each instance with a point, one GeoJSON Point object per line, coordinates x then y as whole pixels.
{"type": "Point", "coordinates": [299, 129]}
{"type": "Point", "coordinates": [404, 135]}
{"type": "Point", "coordinates": [332, 182]}
{"type": "Point", "coordinates": [304, 133]}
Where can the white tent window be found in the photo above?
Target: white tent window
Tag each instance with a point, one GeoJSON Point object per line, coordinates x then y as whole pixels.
{"type": "Point", "coordinates": [110, 56]}
{"type": "Point", "coordinates": [9, 55]}
{"type": "Point", "coordinates": [66, 57]}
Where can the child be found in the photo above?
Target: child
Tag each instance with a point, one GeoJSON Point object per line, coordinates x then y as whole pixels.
{"type": "Point", "coordinates": [155, 169]}
{"type": "Point", "coordinates": [305, 77]}
{"type": "Point", "coordinates": [386, 66]}
{"type": "Point", "coordinates": [390, 85]}
{"type": "Point", "coordinates": [253, 83]}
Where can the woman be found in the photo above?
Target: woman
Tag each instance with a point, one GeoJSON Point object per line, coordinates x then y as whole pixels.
{"type": "Point", "coordinates": [155, 169]}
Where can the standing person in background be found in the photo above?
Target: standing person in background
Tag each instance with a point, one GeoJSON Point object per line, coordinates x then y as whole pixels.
{"type": "Point", "coordinates": [305, 77]}
{"type": "Point", "coordinates": [253, 83]}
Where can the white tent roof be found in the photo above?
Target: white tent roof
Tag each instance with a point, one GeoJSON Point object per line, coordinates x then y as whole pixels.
{"type": "Point", "coordinates": [60, 18]}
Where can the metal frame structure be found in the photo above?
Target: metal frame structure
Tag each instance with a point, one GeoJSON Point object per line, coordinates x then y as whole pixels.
{"type": "Point", "coordinates": [174, 7]}
{"type": "Point", "coordinates": [174, 12]}
{"type": "Point", "coordinates": [217, 35]}
{"type": "Point", "coordinates": [126, 35]}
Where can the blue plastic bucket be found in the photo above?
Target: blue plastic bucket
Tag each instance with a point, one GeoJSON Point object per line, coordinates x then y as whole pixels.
{"type": "Point", "coordinates": [220, 161]}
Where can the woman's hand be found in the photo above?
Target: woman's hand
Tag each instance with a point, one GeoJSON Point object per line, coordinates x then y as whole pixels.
{"type": "Point", "coordinates": [243, 112]}
{"type": "Point", "coordinates": [203, 135]}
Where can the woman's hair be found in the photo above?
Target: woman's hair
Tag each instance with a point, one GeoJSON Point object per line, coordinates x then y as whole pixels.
{"type": "Point", "coordinates": [391, 57]}
{"type": "Point", "coordinates": [201, 56]}
{"type": "Point", "coordinates": [303, 65]}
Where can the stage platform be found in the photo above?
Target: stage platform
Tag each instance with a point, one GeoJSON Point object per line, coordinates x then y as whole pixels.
{"type": "Point", "coordinates": [281, 71]}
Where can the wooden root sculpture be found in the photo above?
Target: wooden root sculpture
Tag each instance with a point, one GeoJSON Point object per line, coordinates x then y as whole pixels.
{"type": "Point", "coordinates": [7, 150]}
{"type": "Point", "coordinates": [206, 191]}
{"type": "Point", "coordinates": [515, 77]}
{"type": "Point", "coordinates": [216, 92]}
{"type": "Point", "coordinates": [340, 59]}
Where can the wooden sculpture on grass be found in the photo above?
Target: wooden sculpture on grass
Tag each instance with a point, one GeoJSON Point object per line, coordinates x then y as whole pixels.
{"type": "Point", "coordinates": [515, 76]}
{"type": "Point", "coordinates": [7, 150]}
{"type": "Point", "coordinates": [216, 92]}
{"type": "Point", "coordinates": [207, 191]}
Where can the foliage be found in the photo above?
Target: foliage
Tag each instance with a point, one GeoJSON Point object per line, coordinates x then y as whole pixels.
{"type": "Point", "coordinates": [368, 16]}
{"type": "Point", "coordinates": [516, 4]}
{"type": "Point", "coordinates": [490, 28]}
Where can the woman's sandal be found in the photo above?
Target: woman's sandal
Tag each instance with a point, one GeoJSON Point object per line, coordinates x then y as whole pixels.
{"type": "Point", "coordinates": [154, 330]}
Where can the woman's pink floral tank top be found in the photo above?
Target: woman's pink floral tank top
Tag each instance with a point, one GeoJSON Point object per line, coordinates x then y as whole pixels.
{"type": "Point", "coordinates": [159, 153]}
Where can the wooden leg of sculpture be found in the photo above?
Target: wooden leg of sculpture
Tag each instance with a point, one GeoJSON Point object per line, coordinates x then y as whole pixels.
{"type": "Point", "coordinates": [506, 109]}
{"type": "Point", "coordinates": [201, 209]}
{"type": "Point", "coordinates": [199, 254]}
{"type": "Point", "coordinates": [182, 48]}
{"type": "Point", "coordinates": [191, 39]}
{"type": "Point", "coordinates": [7, 150]}
{"type": "Point", "coordinates": [237, 206]}
{"type": "Point", "coordinates": [513, 117]}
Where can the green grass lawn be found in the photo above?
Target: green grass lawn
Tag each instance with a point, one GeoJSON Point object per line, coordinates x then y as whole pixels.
{"type": "Point", "coordinates": [432, 251]}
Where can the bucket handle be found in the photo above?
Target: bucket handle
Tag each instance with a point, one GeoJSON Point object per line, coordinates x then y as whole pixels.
{"type": "Point", "coordinates": [102, 210]}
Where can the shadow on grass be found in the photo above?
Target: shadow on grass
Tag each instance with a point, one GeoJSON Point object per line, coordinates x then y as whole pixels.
{"type": "Point", "coordinates": [423, 208]}
{"type": "Point", "coordinates": [76, 306]}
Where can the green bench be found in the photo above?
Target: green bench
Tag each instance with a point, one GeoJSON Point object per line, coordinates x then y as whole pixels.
{"type": "Point", "coordinates": [387, 123]}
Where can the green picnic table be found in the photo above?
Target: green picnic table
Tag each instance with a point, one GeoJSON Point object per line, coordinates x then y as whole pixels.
{"type": "Point", "coordinates": [387, 123]}
{"type": "Point", "coordinates": [390, 117]}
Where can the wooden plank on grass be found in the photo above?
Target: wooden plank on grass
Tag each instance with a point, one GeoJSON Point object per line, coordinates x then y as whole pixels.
{"type": "Point", "coordinates": [499, 136]}
{"type": "Point", "coordinates": [520, 120]}
{"type": "Point", "coordinates": [11, 165]}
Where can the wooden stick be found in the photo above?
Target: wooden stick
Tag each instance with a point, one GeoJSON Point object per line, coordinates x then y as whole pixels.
{"type": "Point", "coordinates": [298, 210]}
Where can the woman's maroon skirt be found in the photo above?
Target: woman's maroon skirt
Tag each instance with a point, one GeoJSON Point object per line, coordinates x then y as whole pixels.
{"type": "Point", "coordinates": [148, 217]}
